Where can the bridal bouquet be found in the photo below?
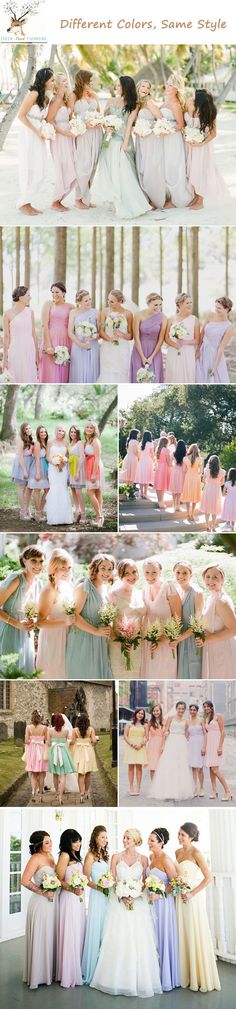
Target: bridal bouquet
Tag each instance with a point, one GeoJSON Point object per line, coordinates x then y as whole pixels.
{"type": "Point", "coordinates": [50, 883]}
{"type": "Point", "coordinates": [61, 355]}
{"type": "Point", "coordinates": [47, 131]}
{"type": "Point", "coordinates": [179, 885]}
{"type": "Point", "coordinates": [112, 124]}
{"type": "Point", "coordinates": [128, 634]}
{"type": "Point", "coordinates": [30, 610]}
{"type": "Point", "coordinates": [193, 134]}
{"type": "Point", "coordinates": [59, 461]}
{"type": "Point", "coordinates": [154, 634]}
{"type": "Point", "coordinates": [108, 615]}
{"type": "Point", "coordinates": [129, 892]}
{"type": "Point", "coordinates": [94, 118]}
{"type": "Point", "coordinates": [177, 332]}
{"type": "Point", "coordinates": [115, 322]}
{"type": "Point", "coordinates": [163, 126]}
{"type": "Point", "coordinates": [69, 607]}
{"type": "Point", "coordinates": [77, 126]}
{"type": "Point", "coordinates": [155, 885]}
{"type": "Point", "coordinates": [142, 128]}
{"type": "Point", "coordinates": [145, 374]}
{"type": "Point", "coordinates": [172, 629]}
{"type": "Point", "coordinates": [197, 625]}
{"type": "Point", "coordinates": [106, 882]}
{"type": "Point", "coordinates": [86, 330]}
{"type": "Point", "coordinates": [78, 882]}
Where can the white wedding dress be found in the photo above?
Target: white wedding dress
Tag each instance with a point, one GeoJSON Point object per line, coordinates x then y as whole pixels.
{"type": "Point", "coordinates": [128, 960]}
{"type": "Point", "coordinates": [36, 169]}
{"type": "Point", "coordinates": [115, 358]}
{"type": "Point", "coordinates": [173, 778]}
{"type": "Point", "coordinates": [58, 504]}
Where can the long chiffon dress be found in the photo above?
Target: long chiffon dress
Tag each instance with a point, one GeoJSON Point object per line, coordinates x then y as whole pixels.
{"type": "Point", "coordinates": [84, 363]}
{"type": "Point", "coordinates": [40, 936]}
{"type": "Point", "coordinates": [21, 353]}
{"type": "Point", "coordinates": [116, 180]}
{"type": "Point", "coordinates": [63, 155]}
{"type": "Point", "coordinates": [87, 654]}
{"type": "Point", "coordinates": [219, 657]}
{"type": "Point", "coordinates": [149, 156]}
{"type": "Point", "coordinates": [173, 778]}
{"type": "Point", "coordinates": [212, 500]}
{"type": "Point", "coordinates": [214, 333]}
{"type": "Point", "coordinates": [145, 474]}
{"type": "Point", "coordinates": [198, 968]}
{"type": "Point", "coordinates": [149, 332]}
{"type": "Point", "coordinates": [165, 922]}
{"type": "Point", "coordinates": [97, 910]}
{"type": "Point", "coordinates": [71, 933]}
{"type": "Point", "coordinates": [154, 746]}
{"type": "Point", "coordinates": [52, 645]}
{"type": "Point", "coordinates": [189, 656]}
{"type": "Point", "coordinates": [202, 173]}
{"type": "Point", "coordinates": [196, 743]}
{"type": "Point", "coordinates": [162, 665]}
{"type": "Point", "coordinates": [177, 185]}
{"type": "Point", "coordinates": [134, 610]}
{"type": "Point", "coordinates": [180, 362]}
{"type": "Point", "coordinates": [58, 335]}
{"type": "Point", "coordinates": [87, 151]}
{"type": "Point", "coordinates": [12, 640]}
{"type": "Point", "coordinates": [36, 173]}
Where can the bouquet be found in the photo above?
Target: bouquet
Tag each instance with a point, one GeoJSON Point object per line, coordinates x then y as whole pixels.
{"type": "Point", "coordinates": [179, 885]}
{"type": "Point", "coordinates": [155, 885]}
{"type": "Point", "coordinates": [78, 882]}
{"type": "Point", "coordinates": [163, 126]}
{"type": "Point", "coordinates": [145, 374]}
{"type": "Point", "coordinates": [47, 131]}
{"type": "Point", "coordinates": [197, 625]}
{"type": "Point", "coordinates": [86, 330]}
{"type": "Point", "coordinates": [129, 892]}
{"type": "Point", "coordinates": [69, 607]}
{"type": "Point", "coordinates": [77, 126]}
{"type": "Point", "coordinates": [112, 124]}
{"type": "Point", "coordinates": [128, 634]}
{"type": "Point", "coordinates": [50, 883]}
{"type": "Point", "coordinates": [6, 378]}
{"type": "Point", "coordinates": [142, 128]}
{"type": "Point", "coordinates": [59, 461]}
{"type": "Point", "coordinates": [113, 322]}
{"type": "Point", "coordinates": [172, 629]}
{"type": "Point", "coordinates": [154, 634]}
{"type": "Point", "coordinates": [177, 332]}
{"type": "Point", "coordinates": [192, 133]}
{"type": "Point", "coordinates": [61, 355]}
{"type": "Point", "coordinates": [30, 610]}
{"type": "Point", "coordinates": [94, 118]}
{"type": "Point", "coordinates": [108, 615]}
{"type": "Point", "coordinates": [106, 882]}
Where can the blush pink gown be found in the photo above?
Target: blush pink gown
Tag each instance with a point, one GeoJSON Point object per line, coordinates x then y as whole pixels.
{"type": "Point", "coordinates": [212, 501]}
{"type": "Point", "coordinates": [177, 478]}
{"type": "Point", "coordinates": [163, 471]}
{"type": "Point", "coordinates": [58, 331]}
{"type": "Point", "coordinates": [63, 155]}
{"type": "Point", "coordinates": [21, 353]}
{"type": "Point", "coordinates": [145, 466]}
{"type": "Point", "coordinates": [129, 471]}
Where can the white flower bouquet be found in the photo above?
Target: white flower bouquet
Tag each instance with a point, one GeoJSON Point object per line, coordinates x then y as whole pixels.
{"type": "Point", "coordinates": [145, 374]}
{"type": "Point", "coordinates": [6, 378]}
{"type": "Point", "coordinates": [47, 131]}
{"type": "Point", "coordinates": [156, 886]}
{"type": "Point", "coordinates": [179, 885]}
{"type": "Point", "coordinates": [193, 135]}
{"type": "Point", "coordinates": [107, 615]}
{"type": "Point", "coordinates": [177, 332]}
{"type": "Point", "coordinates": [106, 882]}
{"type": "Point", "coordinates": [115, 322]}
{"type": "Point", "coordinates": [86, 331]}
{"type": "Point", "coordinates": [154, 634]}
{"type": "Point", "coordinates": [163, 127]}
{"type": "Point", "coordinates": [50, 883]}
{"type": "Point", "coordinates": [59, 461]}
{"type": "Point", "coordinates": [128, 891]}
{"type": "Point", "coordinates": [30, 610]}
{"type": "Point", "coordinates": [198, 626]}
{"type": "Point", "coordinates": [61, 355]}
{"type": "Point", "coordinates": [111, 125]}
{"type": "Point", "coordinates": [94, 118]}
{"type": "Point", "coordinates": [172, 629]}
{"type": "Point", "coordinates": [69, 607]}
{"type": "Point", "coordinates": [78, 882]}
{"type": "Point", "coordinates": [77, 126]}
{"type": "Point", "coordinates": [142, 127]}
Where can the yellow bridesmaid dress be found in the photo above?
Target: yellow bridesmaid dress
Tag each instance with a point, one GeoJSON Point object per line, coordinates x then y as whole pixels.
{"type": "Point", "coordinates": [136, 735]}
{"type": "Point", "coordinates": [198, 968]}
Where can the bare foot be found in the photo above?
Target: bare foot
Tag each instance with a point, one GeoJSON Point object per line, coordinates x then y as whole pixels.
{"type": "Point", "coordinates": [27, 209]}
{"type": "Point", "coordinates": [168, 205]}
{"type": "Point", "coordinates": [81, 205]}
{"type": "Point", "coordinates": [197, 205]}
{"type": "Point", "coordinates": [57, 205]}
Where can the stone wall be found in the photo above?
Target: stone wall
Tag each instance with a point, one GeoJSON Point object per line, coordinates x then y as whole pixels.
{"type": "Point", "coordinates": [53, 696]}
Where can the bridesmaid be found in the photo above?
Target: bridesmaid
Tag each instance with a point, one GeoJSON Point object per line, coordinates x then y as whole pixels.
{"type": "Point", "coordinates": [198, 969]}
{"type": "Point", "coordinates": [161, 601]}
{"type": "Point", "coordinates": [53, 620]}
{"type": "Point", "coordinates": [189, 659]}
{"type": "Point", "coordinates": [55, 320]}
{"type": "Point", "coordinates": [163, 469]}
{"type": "Point", "coordinates": [21, 468]}
{"type": "Point", "coordinates": [128, 601]}
{"type": "Point", "coordinates": [20, 348]}
{"type": "Point", "coordinates": [178, 472]}
{"type": "Point", "coordinates": [115, 359]}
{"type": "Point", "coordinates": [145, 473]}
{"type": "Point", "coordinates": [38, 476]}
{"type": "Point", "coordinates": [59, 759]}
{"type": "Point", "coordinates": [72, 917]}
{"type": "Point", "coordinates": [191, 493]}
{"type": "Point", "coordinates": [116, 179]}
{"type": "Point", "coordinates": [229, 505]}
{"type": "Point", "coordinates": [35, 180]}
{"type": "Point", "coordinates": [164, 913]}
{"type": "Point", "coordinates": [41, 921]}
{"type": "Point", "coordinates": [211, 500]}
{"type": "Point", "coordinates": [83, 744]}
{"type": "Point", "coordinates": [216, 335]}
{"type": "Point", "coordinates": [181, 353]}
{"type": "Point", "coordinates": [208, 184]}
{"type": "Point", "coordinates": [82, 101]}
{"type": "Point", "coordinates": [36, 764]}
{"type": "Point", "coordinates": [87, 650]}
{"type": "Point", "coordinates": [155, 738]}
{"type": "Point", "coordinates": [149, 150]}
{"type": "Point", "coordinates": [214, 750]}
{"type": "Point", "coordinates": [196, 748]}
{"type": "Point", "coordinates": [94, 472]}
{"type": "Point", "coordinates": [136, 735]}
{"type": "Point", "coordinates": [179, 192]}
{"type": "Point", "coordinates": [77, 471]}
{"type": "Point", "coordinates": [62, 146]}
{"type": "Point", "coordinates": [219, 648]}
{"type": "Point", "coordinates": [95, 865]}
{"type": "Point", "coordinates": [84, 353]}
{"type": "Point", "coordinates": [16, 637]}
{"type": "Point", "coordinates": [149, 333]}
{"type": "Point", "coordinates": [129, 471]}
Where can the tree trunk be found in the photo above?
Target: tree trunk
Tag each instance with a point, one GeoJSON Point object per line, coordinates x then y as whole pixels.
{"type": "Point", "coordinates": [78, 260]}
{"type": "Point", "coordinates": [94, 266]}
{"type": "Point", "coordinates": [110, 259]}
{"type": "Point", "coordinates": [161, 259]}
{"type": "Point", "coordinates": [135, 264]}
{"type": "Point", "coordinates": [227, 262]}
{"type": "Point", "coordinates": [225, 90]}
{"type": "Point", "coordinates": [18, 244]}
{"type": "Point", "coordinates": [187, 259]}
{"type": "Point", "coordinates": [9, 413]}
{"type": "Point", "coordinates": [195, 268]}
{"type": "Point", "coordinates": [11, 113]}
{"type": "Point", "coordinates": [27, 256]}
{"type": "Point", "coordinates": [122, 257]}
{"type": "Point", "coordinates": [60, 256]}
{"type": "Point", "coordinates": [180, 259]}
{"type": "Point", "coordinates": [52, 56]}
{"type": "Point", "coordinates": [38, 402]}
{"type": "Point", "coordinates": [100, 269]}
{"type": "Point", "coordinates": [105, 417]}
{"type": "Point", "coordinates": [1, 271]}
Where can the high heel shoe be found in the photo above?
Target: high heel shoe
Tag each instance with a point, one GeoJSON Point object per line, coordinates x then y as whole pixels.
{"type": "Point", "coordinates": [226, 798]}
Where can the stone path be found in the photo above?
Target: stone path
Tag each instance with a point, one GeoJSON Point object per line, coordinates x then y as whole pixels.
{"type": "Point", "coordinates": [101, 794]}
{"type": "Point", "coordinates": [138, 515]}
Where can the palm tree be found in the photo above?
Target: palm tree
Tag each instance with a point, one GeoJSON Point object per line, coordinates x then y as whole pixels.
{"type": "Point", "coordinates": [10, 115]}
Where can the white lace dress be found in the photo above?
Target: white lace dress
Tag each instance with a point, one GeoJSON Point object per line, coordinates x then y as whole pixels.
{"type": "Point", "coordinates": [58, 504]}
{"type": "Point", "coordinates": [36, 172]}
{"type": "Point", "coordinates": [173, 778]}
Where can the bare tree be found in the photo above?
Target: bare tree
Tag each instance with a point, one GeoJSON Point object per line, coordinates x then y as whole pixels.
{"type": "Point", "coordinates": [38, 402]}
{"type": "Point", "coordinates": [27, 256]}
{"type": "Point", "coordinates": [9, 413]}
{"type": "Point", "coordinates": [60, 255]}
{"type": "Point", "coordinates": [107, 413]}
{"type": "Point", "coordinates": [110, 259]}
{"type": "Point", "coordinates": [94, 266]}
{"type": "Point", "coordinates": [180, 259]}
{"type": "Point", "coordinates": [1, 271]}
{"type": "Point", "coordinates": [135, 264]}
{"type": "Point", "coordinates": [10, 115]}
{"type": "Point", "coordinates": [18, 248]}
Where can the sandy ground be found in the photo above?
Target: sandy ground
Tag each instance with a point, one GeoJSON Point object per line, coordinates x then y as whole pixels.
{"type": "Point", "coordinates": [225, 155]}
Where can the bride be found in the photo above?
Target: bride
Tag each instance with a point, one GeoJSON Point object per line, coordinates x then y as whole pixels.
{"type": "Point", "coordinates": [116, 333]}
{"type": "Point", "coordinates": [173, 779]}
{"type": "Point", "coordinates": [128, 961]}
{"type": "Point", "coordinates": [58, 504]}
{"type": "Point", "coordinates": [116, 180]}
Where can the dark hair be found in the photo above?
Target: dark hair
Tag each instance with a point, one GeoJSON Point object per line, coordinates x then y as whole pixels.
{"type": "Point", "coordinates": [211, 706]}
{"type": "Point", "coordinates": [191, 829]}
{"type": "Point", "coordinates": [147, 436]}
{"type": "Point", "coordinates": [161, 834]}
{"type": "Point", "coordinates": [180, 452]}
{"type": "Point", "coordinates": [225, 302]}
{"type": "Point", "coordinates": [68, 837]}
{"type": "Point", "coordinates": [206, 109]}
{"type": "Point", "coordinates": [214, 466]}
{"type": "Point", "coordinates": [30, 554]}
{"type": "Point", "coordinates": [180, 702]}
{"type": "Point", "coordinates": [27, 439]}
{"type": "Point", "coordinates": [231, 475]}
{"type": "Point", "coordinates": [134, 433]}
{"type": "Point", "coordinates": [82, 78]}
{"type": "Point", "coordinates": [78, 433]}
{"type": "Point", "coordinates": [19, 292]}
{"type": "Point", "coordinates": [193, 705]}
{"type": "Point", "coordinates": [36, 717]}
{"type": "Point", "coordinates": [134, 718]}
{"type": "Point", "coordinates": [61, 287]}
{"type": "Point", "coordinates": [39, 84]}
{"type": "Point", "coordinates": [93, 844]}
{"type": "Point", "coordinates": [58, 721]}
{"type": "Point", "coordinates": [82, 723]}
{"type": "Point", "coordinates": [129, 93]}
{"type": "Point", "coordinates": [36, 840]}
{"type": "Point", "coordinates": [153, 720]}
{"type": "Point", "coordinates": [38, 429]}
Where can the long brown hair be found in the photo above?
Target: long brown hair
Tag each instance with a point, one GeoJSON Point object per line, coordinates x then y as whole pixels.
{"type": "Point", "coordinates": [27, 439]}
{"type": "Point", "coordinates": [93, 844]}
{"type": "Point", "coordinates": [82, 78]}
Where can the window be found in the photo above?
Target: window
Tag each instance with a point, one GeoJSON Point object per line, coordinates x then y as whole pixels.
{"type": "Point", "coordinates": [15, 875]}
{"type": "Point", "coordinates": [5, 696]}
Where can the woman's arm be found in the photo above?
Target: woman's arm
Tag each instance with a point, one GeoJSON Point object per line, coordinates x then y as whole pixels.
{"type": "Point", "coordinates": [97, 458]}
{"type": "Point", "coordinates": [131, 120]}
{"type": "Point", "coordinates": [45, 604]}
{"type": "Point", "coordinates": [197, 333]}
{"type": "Point", "coordinates": [27, 734]}
{"type": "Point", "coordinates": [29, 871]}
{"type": "Point", "coordinates": [129, 334]}
{"type": "Point", "coordinates": [35, 339]}
{"type": "Point", "coordinates": [207, 877]}
{"type": "Point", "coordinates": [137, 341]}
{"type": "Point", "coordinates": [27, 104]}
{"type": "Point", "coordinates": [171, 871]}
{"type": "Point", "coordinates": [61, 867]}
{"type": "Point", "coordinates": [81, 623]}
{"type": "Point", "coordinates": [228, 336]}
{"type": "Point", "coordinates": [56, 102]}
{"type": "Point", "coordinates": [221, 725]}
{"type": "Point", "coordinates": [154, 108]}
{"type": "Point", "coordinates": [45, 328]}
{"type": "Point", "coordinates": [224, 611]}
{"type": "Point", "coordinates": [179, 116]}
{"type": "Point", "coordinates": [6, 339]}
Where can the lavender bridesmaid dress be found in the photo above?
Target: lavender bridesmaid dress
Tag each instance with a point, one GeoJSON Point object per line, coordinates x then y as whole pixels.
{"type": "Point", "coordinates": [40, 937]}
{"type": "Point", "coordinates": [71, 933]}
{"type": "Point", "coordinates": [165, 922]}
{"type": "Point", "coordinates": [214, 333]}
{"type": "Point", "coordinates": [149, 331]}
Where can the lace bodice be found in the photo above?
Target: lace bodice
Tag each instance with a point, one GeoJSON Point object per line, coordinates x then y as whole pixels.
{"type": "Point", "coordinates": [125, 872]}
{"type": "Point", "coordinates": [177, 728]}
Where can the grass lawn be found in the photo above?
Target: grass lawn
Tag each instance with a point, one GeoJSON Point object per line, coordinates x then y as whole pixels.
{"type": "Point", "coordinates": [199, 558]}
{"type": "Point", "coordinates": [11, 764]}
{"type": "Point", "coordinates": [104, 751]}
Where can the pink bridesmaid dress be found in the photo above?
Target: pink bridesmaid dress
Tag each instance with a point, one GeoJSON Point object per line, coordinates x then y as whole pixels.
{"type": "Point", "coordinates": [163, 471]}
{"type": "Point", "coordinates": [211, 502]}
{"type": "Point", "coordinates": [177, 477]}
{"type": "Point", "coordinates": [129, 471]}
{"type": "Point", "coordinates": [58, 333]}
{"type": "Point", "coordinates": [154, 747]}
{"type": "Point", "coordinates": [21, 353]}
{"type": "Point", "coordinates": [145, 465]}
{"type": "Point", "coordinates": [63, 155]}
{"type": "Point", "coordinates": [229, 505]}
{"type": "Point", "coordinates": [202, 172]}
{"type": "Point", "coordinates": [212, 758]}
{"type": "Point", "coordinates": [71, 934]}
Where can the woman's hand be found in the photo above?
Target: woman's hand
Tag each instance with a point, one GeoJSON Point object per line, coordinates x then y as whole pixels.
{"type": "Point", "coordinates": [49, 350]}
{"type": "Point", "coordinates": [219, 751]}
{"type": "Point", "coordinates": [187, 896]}
{"type": "Point", "coordinates": [25, 625]}
{"type": "Point", "coordinates": [199, 643]}
{"type": "Point", "coordinates": [124, 146]}
{"type": "Point", "coordinates": [104, 632]}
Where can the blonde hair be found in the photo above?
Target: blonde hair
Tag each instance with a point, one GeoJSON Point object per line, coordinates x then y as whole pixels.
{"type": "Point", "coordinates": [153, 561]}
{"type": "Point", "coordinates": [183, 564]}
{"type": "Point", "coordinates": [91, 423]}
{"type": "Point", "coordinates": [178, 83]}
{"type": "Point", "coordinates": [143, 99]}
{"type": "Point", "coordinates": [216, 567]}
{"type": "Point", "coordinates": [81, 294]}
{"type": "Point", "coordinates": [181, 298]}
{"type": "Point", "coordinates": [122, 565]}
{"type": "Point", "coordinates": [153, 296]}
{"type": "Point", "coordinates": [59, 559]}
{"type": "Point", "coordinates": [135, 834]}
{"type": "Point", "coordinates": [96, 562]}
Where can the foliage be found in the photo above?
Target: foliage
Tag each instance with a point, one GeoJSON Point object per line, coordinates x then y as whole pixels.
{"type": "Point", "coordinates": [104, 751]}
{"type": "Point", "coordinates": [9, 669]}
{"type": "Point", "coordinates": [11, 765]}
{"type": "Point", "coordinates": [228, 455]}
{"type": "Point", "coordinates": [197, 414]}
